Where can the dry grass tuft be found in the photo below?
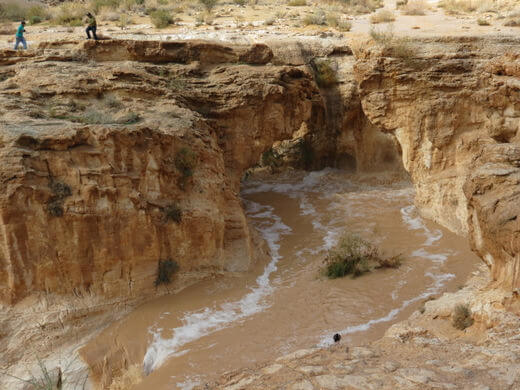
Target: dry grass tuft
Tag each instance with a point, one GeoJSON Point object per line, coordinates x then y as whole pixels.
{"type": "Point", "coordinates": [415, 7]}
{"type": "Point", "coordinates": [382, 16]}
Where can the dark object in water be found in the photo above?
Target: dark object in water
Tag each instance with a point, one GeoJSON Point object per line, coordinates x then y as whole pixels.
{"type": "Point", "coordinates": [336, 337]}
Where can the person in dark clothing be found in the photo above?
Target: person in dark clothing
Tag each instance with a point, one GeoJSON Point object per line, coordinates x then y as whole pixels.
{"type": "Point", "coordinates": [92, 26]}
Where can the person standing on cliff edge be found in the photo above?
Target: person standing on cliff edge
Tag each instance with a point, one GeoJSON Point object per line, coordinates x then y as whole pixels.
{"type": "Point", "coordinates": [19, 36]}
{"type": "Point", "coordinates": [92, 26]}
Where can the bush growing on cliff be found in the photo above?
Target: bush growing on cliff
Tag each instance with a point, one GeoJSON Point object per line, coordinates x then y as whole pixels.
{"type": "Point", "coordinates": [355, 256]}
{"type": "Point", "coordinates": [60, 191]}
{"type": "Point", "coordinates": [185, 162]}
{"type": "Point", "coordinates": [165, 270]}
{"type": "Point", "coordinates": [173, 213]}
{"type": "Point", "coordinates": [461, 317]}
{"type": "Point", "coordinates": [324, 73]}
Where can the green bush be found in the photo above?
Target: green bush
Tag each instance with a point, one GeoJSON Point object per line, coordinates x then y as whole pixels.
{"type": "Point", "coordinates": [60, 191]}
{"type": "Point", "coordinates": [165, 270]}
{"type": "Point", "coordinates": [186, 161]}
{"type": "Point", "coordinates": [161, 18]}
{"type": "Point", "coordinates": [355, 256]}
{"type": "Point", "coordinates": [462, 317]}
{"type": "Point", "coordinates": [270, 158]}
{"type": "Point", "coordinates": [172, 213]}
{"type": "Point", "coordinates": [240, 2]}
{"type": "Point", "coordinates": [325, 74]}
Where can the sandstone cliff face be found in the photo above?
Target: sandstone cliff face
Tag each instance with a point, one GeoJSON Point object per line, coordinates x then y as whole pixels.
{"type": "Point", "coordinates": [90, 155]}
{"type": "Point", "coordinates": [454, 110]}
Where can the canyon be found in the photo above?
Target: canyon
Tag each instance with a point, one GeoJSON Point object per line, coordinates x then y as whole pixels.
{"type": "Point", "coordinates": [120, 154]}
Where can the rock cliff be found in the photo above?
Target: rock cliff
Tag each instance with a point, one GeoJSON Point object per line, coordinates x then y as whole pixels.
{"type": "Point", "coordinates": [453, 105]}
{"type": "Point", "coordinates": [109, 167]}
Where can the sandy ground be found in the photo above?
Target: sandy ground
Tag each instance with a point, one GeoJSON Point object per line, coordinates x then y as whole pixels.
{"type": "Point", "coordinates": [248, 24]}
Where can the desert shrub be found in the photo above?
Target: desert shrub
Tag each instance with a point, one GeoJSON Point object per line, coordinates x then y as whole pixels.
{"type": "Point", "coordinates": [161, 18]}
{"type": "Point", "coordinates": [60, 191]}
{"type": "Point", "coordinates": [483, 22]}
{"type": "Point", "coordinates": [512, 22]}
{"type": "Point", "coordinates": [399, 47]}
{"type": "Point", "coordinates": [208, 4]}
{"type": "Point", "coordinates": [270, 158]}
{"type": "Point", "coordinates": [461, 317]}
{"type": "Point", "coordinates": [324, 73]}
{"type": "Point", "coordinates": [22, 10]}
{"type": "Point", "coordinates": [173, 213]}
{"type": "Point", "coordinates": [382, 16]}
{"type": "Point", "coordinates": [96, 5]}
{"type": "Point", "coordinates": [12, 10]}
{"type": "Point", "coordinates": [297, 3]}
{"type": "Point", "coordinates": [70, 14]}
{"type": "Point", "coordinates": [165, 270]}
{"type": "Point", "coordinates": [185, 162]}
{"type": "Point", "coordinates": [112, 102]}
{"type": "Point", "coordinates": [317, 18]}
{"type": "Point", "coordinates": [94, 117]}
{"type": "Point", "coordinates": [415, 7]}
{"type": "Point", "coordinates": [356, 256]}
{"type": "Point", "coordinates": [459, 6]}
{"type": "Point", "coordinates": [344, 25]}
{"type": "Point", "coordinates": [129, 118]}
{"type": "Point", "coordinates": [332, 20]}
{"type": "Point", "coordinates": [240, 2]}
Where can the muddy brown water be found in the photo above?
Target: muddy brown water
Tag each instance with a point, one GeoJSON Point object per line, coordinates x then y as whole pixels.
{"type": "Point", "coordinates": [283, 305]}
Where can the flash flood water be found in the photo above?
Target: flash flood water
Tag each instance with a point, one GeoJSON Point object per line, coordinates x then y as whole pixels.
{"type": "Point", "coordinates": [234, 321]}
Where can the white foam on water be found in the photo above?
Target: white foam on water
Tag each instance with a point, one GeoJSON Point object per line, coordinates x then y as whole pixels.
{"type": "Point", "coordinates": [209, 320]}
{"type": "Point", "coordinates": [306, 208]}
{"type": "Point", "coordinates": [439, 281]}
{"type": "Point", "coordinates": [189, 383]}
{"type": "Point", "coordinates": [414, 221]}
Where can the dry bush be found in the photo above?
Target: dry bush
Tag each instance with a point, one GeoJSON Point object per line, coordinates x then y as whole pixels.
{"type": "Point", "coordinates": [70, 14]}
{"type": "Point", "coordinates": [461, 317]}
{"type": "Point", "coordinates": [398, 47]}
{"type": "Point", "coordinates": [297, 3]}
{"type": "Point", "coordinates": [415, 7]}
{"type": "Point", "coordinates": [357, 6]}
{"type": "Point", "coordinates": [17, 10]}
{"type": "Point", "coordinates": [512, 22]}
{"type": "Point", "coordinates": [318, 18]}
{"type": "Point", "coordinates": [453, 7]}
{"type": "Point", "coordinates": [483, 22]}
{"type": "Point", "coordinates": [344, 25]}
{"type": "Point", "coordinates": [382, 16]}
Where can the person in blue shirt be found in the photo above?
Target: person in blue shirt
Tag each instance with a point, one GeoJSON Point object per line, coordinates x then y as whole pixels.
{"type": "Point", "coordinates": [19, 36]}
